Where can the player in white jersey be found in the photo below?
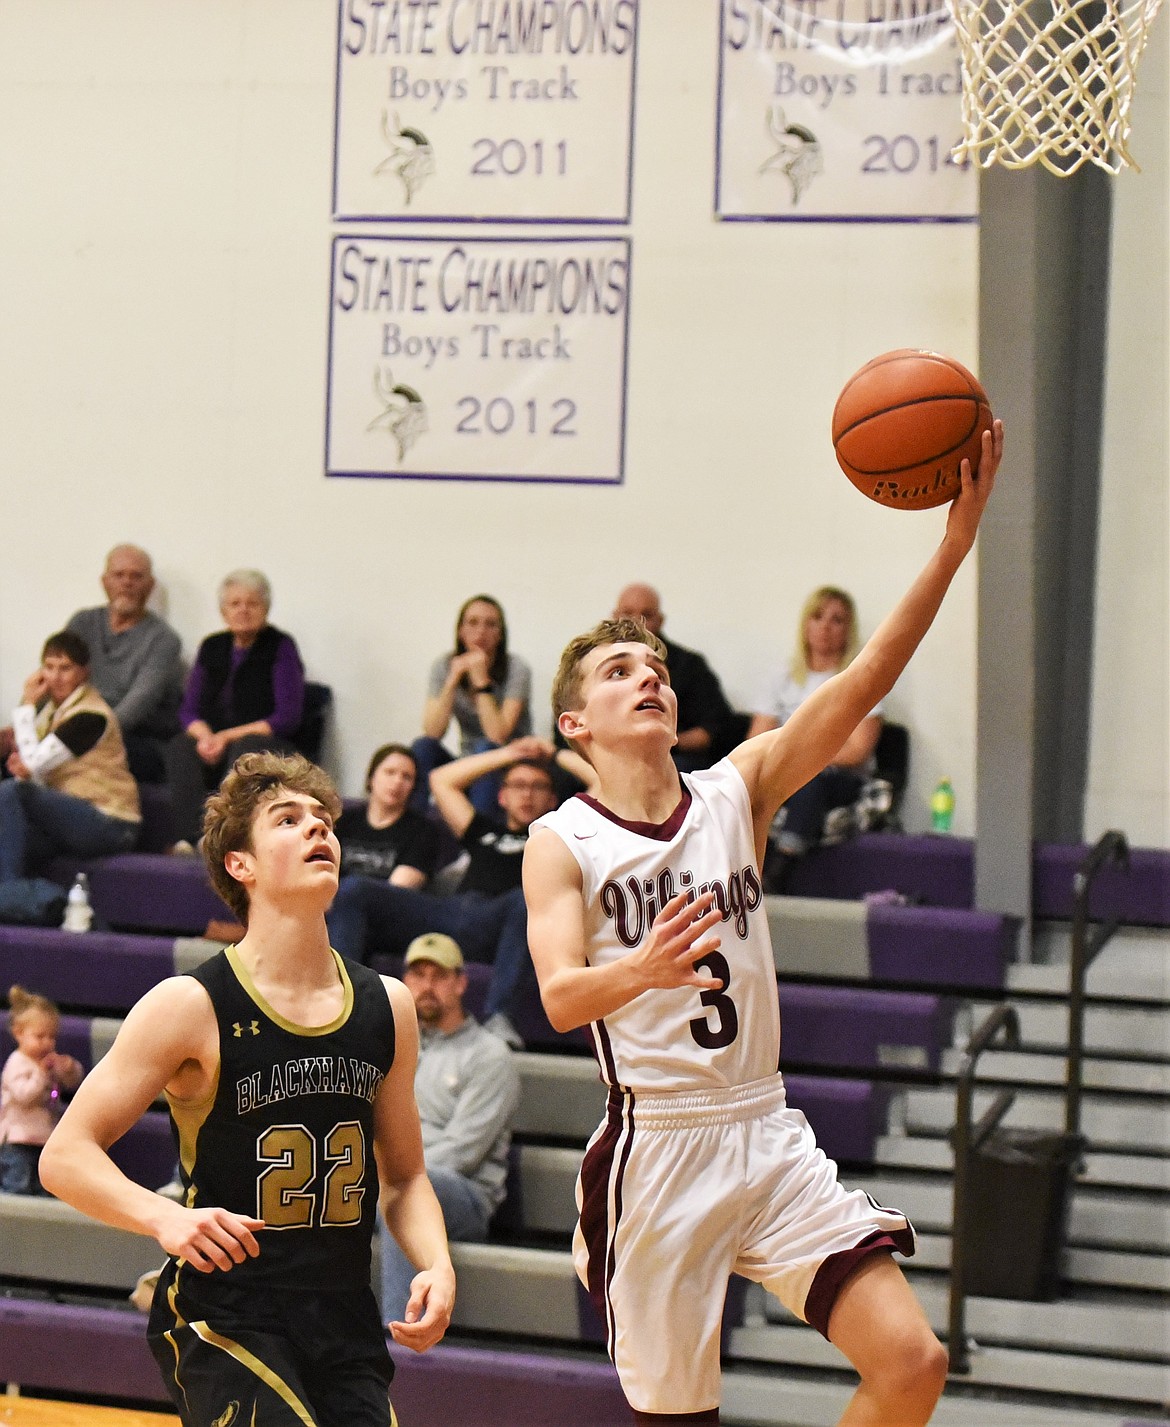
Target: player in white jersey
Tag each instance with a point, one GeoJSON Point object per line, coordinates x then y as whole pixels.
{"type": "Point", "coordinates": [646, 922]}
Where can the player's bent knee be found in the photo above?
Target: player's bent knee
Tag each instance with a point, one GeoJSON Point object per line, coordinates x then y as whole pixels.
{"type": "Point", "coordinates": [912, 1366]}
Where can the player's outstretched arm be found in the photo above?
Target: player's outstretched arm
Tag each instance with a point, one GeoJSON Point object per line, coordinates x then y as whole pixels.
{"type": "Point", "coordinates": [168, 1041]}
{"type": "Point", "coordinates": [408, 1201]}
{"type": "Point", "coordinates": [575, 993]}
{"type": "Point", "coordinates": [774, 765]}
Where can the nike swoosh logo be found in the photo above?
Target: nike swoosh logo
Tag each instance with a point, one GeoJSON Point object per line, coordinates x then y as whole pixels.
{"type": "Point", "coordinates": [581, 836]}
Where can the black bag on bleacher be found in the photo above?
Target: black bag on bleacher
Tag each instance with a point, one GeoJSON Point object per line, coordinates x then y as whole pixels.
{"type": "Point", "coordinates": [32, 902]}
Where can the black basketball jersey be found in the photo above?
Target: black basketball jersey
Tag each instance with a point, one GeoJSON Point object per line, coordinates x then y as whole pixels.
{"type": "Point", "coordinates": [287, 1135]}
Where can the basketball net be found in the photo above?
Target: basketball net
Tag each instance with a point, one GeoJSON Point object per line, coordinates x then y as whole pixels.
{"type": "Point", "coordinates": [1049, 81]}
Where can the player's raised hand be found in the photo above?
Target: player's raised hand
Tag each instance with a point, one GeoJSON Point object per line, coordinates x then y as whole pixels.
{"type": "Point", "coordinates": [676, 942]}
{"type": "Point", "coordinates": [428, 1310]}
{"type": "Point", "coordinates": [210, 1238]}
{"type": "Point", "coordinates": [967, 507]}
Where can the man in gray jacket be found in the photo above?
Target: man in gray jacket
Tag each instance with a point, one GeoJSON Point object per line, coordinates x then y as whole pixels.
{"type": "Point", "coordinates": [134, 660]}
{"type": "Point", "coordinates": [467, 1088]}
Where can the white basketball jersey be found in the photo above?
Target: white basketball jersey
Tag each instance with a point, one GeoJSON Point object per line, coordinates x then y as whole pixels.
{"type": "Point", "coordinates": [681, 1038]}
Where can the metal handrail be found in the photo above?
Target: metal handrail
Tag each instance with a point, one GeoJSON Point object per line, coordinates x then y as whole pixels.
{"type": "Point", "coordinates": [1112, 846]}
{"type": "Point", "coordinates": [966, 1139]}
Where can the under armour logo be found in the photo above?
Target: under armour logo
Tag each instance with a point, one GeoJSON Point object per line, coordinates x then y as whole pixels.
{"type": "Point", "coordinates": [239, 1027]}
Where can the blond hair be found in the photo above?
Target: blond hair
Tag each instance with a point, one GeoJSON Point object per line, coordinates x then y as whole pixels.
{"type": "Point", "coordinates": [799, 667]}
{"type": "Point", "coordinates": [256, 778]}
{"type": "Point", "coordinates": [566, 688]}
{"type": "Point", "coordinates": [29, 1003]}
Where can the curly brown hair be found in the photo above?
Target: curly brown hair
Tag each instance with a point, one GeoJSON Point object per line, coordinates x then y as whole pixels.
{"type": "Point", "coordinates": [256, 778]}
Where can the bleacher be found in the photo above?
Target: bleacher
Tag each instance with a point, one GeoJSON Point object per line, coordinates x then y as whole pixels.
{"type": "Point", "coordinates": [882, 969]}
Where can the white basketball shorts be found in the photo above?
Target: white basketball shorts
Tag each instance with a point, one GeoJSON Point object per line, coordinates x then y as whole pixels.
{"type": "Point", "coordinates": [677, 1192]}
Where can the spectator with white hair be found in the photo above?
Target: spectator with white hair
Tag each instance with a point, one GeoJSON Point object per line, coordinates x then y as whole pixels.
{"type": "Point", "coordinates": [134, 660]}
{"type": "Point", "coordinates": [245, 694]}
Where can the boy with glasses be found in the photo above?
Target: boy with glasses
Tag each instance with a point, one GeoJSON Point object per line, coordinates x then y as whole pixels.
{"type": "Point", "coordinates": [486, 914]}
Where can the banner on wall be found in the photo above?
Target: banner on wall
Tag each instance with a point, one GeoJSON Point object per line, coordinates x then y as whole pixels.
{"type": "Point", "coordinates": [840, 110]}
{"type": "Point", "coordinates": [478, 358]}
{"type": "Point", "coordinates": [453, 110]}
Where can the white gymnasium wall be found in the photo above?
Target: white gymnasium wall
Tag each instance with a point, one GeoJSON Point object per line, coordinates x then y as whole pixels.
{"type": "Point", "coordinates": [164, 233]}
{"type": "Point", "coordinates": [1129, 770]}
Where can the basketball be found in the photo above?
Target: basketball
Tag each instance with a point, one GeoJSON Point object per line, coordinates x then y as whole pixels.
{"type": "Point", "coordinates": [904, 422]}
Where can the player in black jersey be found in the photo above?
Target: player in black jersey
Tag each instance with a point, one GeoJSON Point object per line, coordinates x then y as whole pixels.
{"type": "Point", "coordinates": [290, 1078]}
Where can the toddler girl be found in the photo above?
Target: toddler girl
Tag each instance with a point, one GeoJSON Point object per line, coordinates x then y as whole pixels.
{"type": "Point", "coordinates": [30, 1087]}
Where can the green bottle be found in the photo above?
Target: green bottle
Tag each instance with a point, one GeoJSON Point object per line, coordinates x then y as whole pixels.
{"type": "Point", "coordinates": [942, 806]}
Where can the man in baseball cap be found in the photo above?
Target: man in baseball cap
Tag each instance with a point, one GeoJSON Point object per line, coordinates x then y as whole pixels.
{"type": "Point", "coordinates": [467, 1088]}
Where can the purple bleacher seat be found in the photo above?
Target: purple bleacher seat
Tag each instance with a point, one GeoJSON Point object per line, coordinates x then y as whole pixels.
{"type": "Point", "coordinates": [484, 1387]}
{"type": "Point", "coordinates": [939, 946]}
{"type": "Point", "coordinates": [65, 1347]}
{"type": "Point", "coordinates": [146, 1153]}
{"type": "Point", "coordinates": [106, 970]}
{"type": "Point", "coordinates": [932, 869]}
{"type": "Point", "coordinates": [860, 1028]}
{"type": "Point", "coordinates": [846, 1115]}
{"type": "Point", "coordinates": [139, 891]}
{"type": "Point", "coordinates": [1137, 896]}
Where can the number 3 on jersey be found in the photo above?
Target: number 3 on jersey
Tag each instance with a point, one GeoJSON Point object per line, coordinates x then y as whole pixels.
{"type": "Point", "coordinates": [283, 1198]}
{"type": "Point", "coordinates": [726, 1027]}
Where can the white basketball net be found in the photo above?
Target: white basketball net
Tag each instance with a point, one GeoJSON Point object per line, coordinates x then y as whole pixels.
{"type": "Point", "coordinates": [1049, 81]}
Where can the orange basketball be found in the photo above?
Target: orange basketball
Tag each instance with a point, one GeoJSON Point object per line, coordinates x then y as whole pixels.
{"type": "Point", "coordinates": [904, 422]}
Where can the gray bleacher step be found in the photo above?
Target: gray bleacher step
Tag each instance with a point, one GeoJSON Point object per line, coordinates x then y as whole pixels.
{"type": "Point", "coordinates": [1008, 1367]}
{"type": "Point", "coordinates": [1134, 965]}
{"type": "Point", "coordinates": [1093, 1268]}
{"type": "Point", "coordinates": [43, 1239]}
{"type": "Point", "coordinates": [559, 1090]}
{"type": "Point", "coordinates": [548, 1179]}
{"type": "Point", "coordinates": [818, 936]}
{"type": "Point", "coordinates": [193, 951]}
{"type": "Point", "coordinates": [756, 1395]}
{"type": "Point", "coordinates": [541, 1301]}
{"type": "Point", "coordinates": [1136, 1031]}
{"type": "Point", "coordinates": [1135, 1330]}
{"type": "Point", "coordinates": [1108, 1121]}
{"type": "Point", "coordinates": [102, 1031]}
{"type": "Point", "coordinates": [1114, 1219]}
{"type": "Point", "coordinates": [1102, 1217]}
{"type": "Point", "coordinates": [1127, 1171]}
{"type": "Point", "coordinates": [1135, 1077]}
{"type": "Point", "coordinates": [530, 1292]}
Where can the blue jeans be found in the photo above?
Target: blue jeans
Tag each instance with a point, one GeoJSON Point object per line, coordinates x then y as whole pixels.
{"type": "Point", "coordinates": [369, 916]}
{"type": "Point", "coordinates": [37, 823]}
{"type": "Point", "coordinates": [466, 1215]}
{"type": "Point", "coordinates": [191, 779]}
{"type": "Point", "coordinates": [431, 753]}
{"type": "Point", "coordinates": [20, 1169]}
{"type": "Point", "coordinates": [806, 810]}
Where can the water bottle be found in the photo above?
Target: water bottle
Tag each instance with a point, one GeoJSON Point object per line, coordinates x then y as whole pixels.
{"type": "Point", "coordinates": [78, 912]}
{"type": "Point", "coordinates": [942, 806]}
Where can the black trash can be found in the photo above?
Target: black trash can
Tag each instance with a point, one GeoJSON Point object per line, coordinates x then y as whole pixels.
{"type": "Point", "coordinates": [1019, 1192]}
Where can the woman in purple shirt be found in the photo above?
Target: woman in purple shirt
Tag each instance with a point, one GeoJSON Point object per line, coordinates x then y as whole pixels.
{"type": "Point", "coordinates": [245, 693]}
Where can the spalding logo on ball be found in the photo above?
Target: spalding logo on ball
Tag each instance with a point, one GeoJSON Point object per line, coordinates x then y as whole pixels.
{"type": "Point", "coordinates": [904, 422]}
